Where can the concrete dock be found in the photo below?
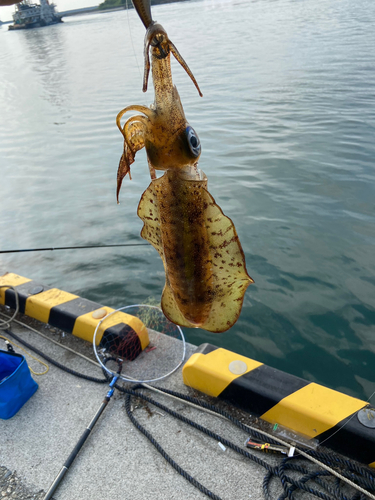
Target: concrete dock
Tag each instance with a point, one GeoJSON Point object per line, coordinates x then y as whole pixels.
{"type": "Point", "coordinates": [117, 461]}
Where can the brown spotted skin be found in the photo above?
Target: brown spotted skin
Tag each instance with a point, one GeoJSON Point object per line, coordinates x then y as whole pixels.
{"type": "Point", "coordinates": [206, 277]}
{"type": "Point", "coordinates": [186, 246]}
{"type": "Point", "coordinates": [205, 271]}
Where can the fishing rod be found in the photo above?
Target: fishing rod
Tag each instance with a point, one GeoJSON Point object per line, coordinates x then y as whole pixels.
{"type": "Point", "coordinates": [73, 248]}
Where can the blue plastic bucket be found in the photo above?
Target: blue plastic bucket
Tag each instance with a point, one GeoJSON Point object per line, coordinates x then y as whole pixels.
{"type": "Point", "coordinates": [16, 384]}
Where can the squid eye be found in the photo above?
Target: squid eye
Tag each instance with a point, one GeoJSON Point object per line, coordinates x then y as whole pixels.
{"type": "Point", "coordinates": [193, 141]}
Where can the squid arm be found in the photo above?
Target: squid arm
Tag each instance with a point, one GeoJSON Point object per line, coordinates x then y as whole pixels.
{"type": "Point", "coordinates": [157, 37]}
{"type": "Point", "coordinates": [133, 131]}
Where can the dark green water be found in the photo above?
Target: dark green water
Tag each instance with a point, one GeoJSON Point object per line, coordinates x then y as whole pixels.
{"type": "Point", "coordinates": [287, 125]}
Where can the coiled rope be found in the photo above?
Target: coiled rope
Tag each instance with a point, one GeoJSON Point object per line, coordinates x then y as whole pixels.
{"type": "Point", "coordinates": [364, 478]}
{"type": "Point", "coordinates": [56, 363]}
{"type": "Point", "coordinates": [7, 341]}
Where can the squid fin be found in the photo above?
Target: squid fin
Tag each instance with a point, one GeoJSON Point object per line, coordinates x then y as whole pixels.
{"type": "Point", "coordinates": [229, 269]}
{"type": "Point", "coordinates": [229, 278]}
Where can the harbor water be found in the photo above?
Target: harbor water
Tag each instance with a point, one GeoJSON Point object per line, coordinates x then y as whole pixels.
{"type": "Point", "coordinates": [287, 126]}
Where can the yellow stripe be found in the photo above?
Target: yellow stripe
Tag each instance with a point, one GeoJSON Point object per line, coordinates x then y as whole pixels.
{"type": "Point", "coordinates": [313, 409]}
{"type": "Point", "coordinates": [10, 279]}
{"type": "Point", "coordinates": [39, 306]}
{"type": "Point", "coordinates": [209, 373]}
{"type": "Point", "coordinates": [372, 465]}
{"type": "Point", "coordinates": [140, 328]}
{"type": "Point", "coordinates": [84, 326]}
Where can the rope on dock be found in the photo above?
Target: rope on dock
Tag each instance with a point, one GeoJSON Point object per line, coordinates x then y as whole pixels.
{"type": "Point", "coordinates": [361, 478]}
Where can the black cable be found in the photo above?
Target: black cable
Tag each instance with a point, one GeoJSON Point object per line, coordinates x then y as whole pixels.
{"type": "Point", "coordinates": [352, 470]}
{"type": "Point", "coordinates": [219, 411]}
{"type": "Point", "coordinates": [330, 458]}
{"type": "Point", "coordinates": [54, 362]}
{"type": "Point", "coordinates": [73, 248]}
{"type": "Point", "coordinates": [273, 471]}
{"type": "Point", "coordinates": [164, 454]}
{"type": "Point", "coordinates": [289, 484]}
{"type": "Point", "coordinates": [213, 435]}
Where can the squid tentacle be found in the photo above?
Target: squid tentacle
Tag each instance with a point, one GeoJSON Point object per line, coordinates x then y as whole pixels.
{"type": "Point", "coordinates": [181, 60]}
{"type": "Point", "coordinates": [134, 132]}
{"type": "Point", "coordinates": [155, 36]}
{"type": "Point", "coordinates": [134, 107]}
{"type": "Point", "coordinates": [123, 169]}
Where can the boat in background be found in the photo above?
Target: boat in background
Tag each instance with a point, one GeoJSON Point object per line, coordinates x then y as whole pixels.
{"type": "Point", "coordinates": [30, 15]}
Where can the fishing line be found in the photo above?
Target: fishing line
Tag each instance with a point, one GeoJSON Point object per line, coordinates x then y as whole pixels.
{"type": "Point", "coordinates": [6, 324]}
{"type": "Point", "coordinates": [73, 247]}
{"type": "Point", "coordinates": [131, 40]}
{"type": "Point", "coordinates": [11, 342]}
{"type": "Point", "coordinates": [346, 423]}
{"type": "Point", "coordinates": [108, 358]}
{"type": "Point", "coordinates": [28, 327]}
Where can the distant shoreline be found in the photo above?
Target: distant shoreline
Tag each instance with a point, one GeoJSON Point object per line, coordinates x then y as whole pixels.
{"type": "Point", "coordinates": [129, 4]}
{"type": "Point", "coordinates": [96, 9]}
{"type": "Point", "coordinates": [90, 10]}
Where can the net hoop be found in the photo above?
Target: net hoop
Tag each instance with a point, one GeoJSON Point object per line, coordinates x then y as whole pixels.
{"type": "Point", "coordinates": [134, 380]}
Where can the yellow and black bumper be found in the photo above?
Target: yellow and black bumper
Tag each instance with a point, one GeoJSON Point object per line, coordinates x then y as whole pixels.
{"type": "Point", "coordinates": [307, 408]}
{"type": "Point", "coordinates": [72, 314]}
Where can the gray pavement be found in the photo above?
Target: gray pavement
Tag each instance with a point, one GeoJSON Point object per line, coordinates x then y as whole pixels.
{"type": "Point", "coordinates": [12, 487]}
{"type": "Point", "coordinates": [117, 461]}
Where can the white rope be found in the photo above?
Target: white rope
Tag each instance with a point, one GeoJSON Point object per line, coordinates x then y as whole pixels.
{"type": "Point", "coordinates": [6, 324]}
{"type": "Point", "coordinates": [275, 438]}
{"type": "Point", "coordinates": [145, 382]}
{"type": "Point", "coordinates": [25, 325]}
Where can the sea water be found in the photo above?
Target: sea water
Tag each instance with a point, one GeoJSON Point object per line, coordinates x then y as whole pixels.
{"type": "Point", "coordinates": [287, 126]}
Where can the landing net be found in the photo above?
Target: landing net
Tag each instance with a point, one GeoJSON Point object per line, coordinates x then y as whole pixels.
{"type": "Point", "coordinates": [162, 357]}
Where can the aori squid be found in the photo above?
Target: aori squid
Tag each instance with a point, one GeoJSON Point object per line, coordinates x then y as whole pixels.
{"type": "Point", "coordinates": [205, 271]}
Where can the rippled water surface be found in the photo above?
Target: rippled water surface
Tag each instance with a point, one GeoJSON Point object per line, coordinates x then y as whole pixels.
{"type": "Point", "coordinates": [287, 125]}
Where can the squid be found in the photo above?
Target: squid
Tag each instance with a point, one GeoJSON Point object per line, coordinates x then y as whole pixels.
{"type": "Point", "coordinates": [205, 271]}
